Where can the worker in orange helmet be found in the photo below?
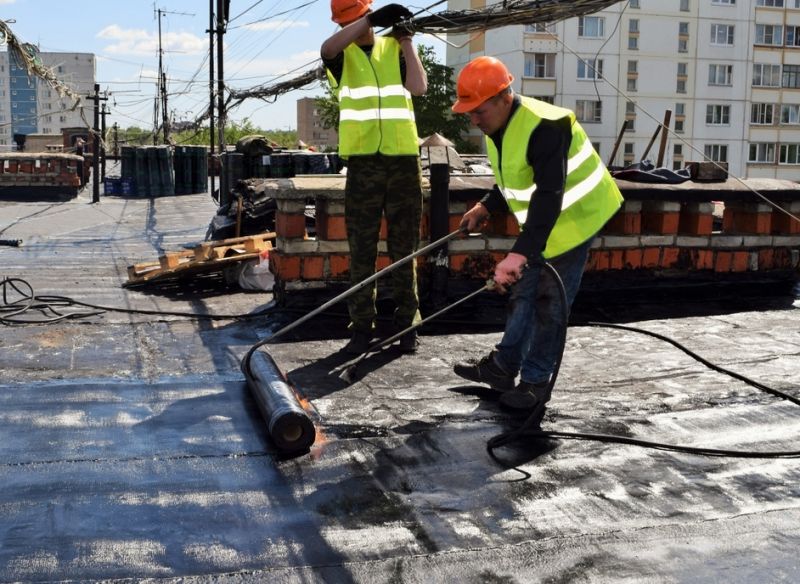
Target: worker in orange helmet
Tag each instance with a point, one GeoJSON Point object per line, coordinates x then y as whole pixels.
{"type": "Point", "coordinates": [549, 176]}
{"type": "Point", "coordinates": [374, 77]}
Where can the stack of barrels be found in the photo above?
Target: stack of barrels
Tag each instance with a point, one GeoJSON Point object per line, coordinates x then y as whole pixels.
{"type": "Point", "coordinates": [157, 171]}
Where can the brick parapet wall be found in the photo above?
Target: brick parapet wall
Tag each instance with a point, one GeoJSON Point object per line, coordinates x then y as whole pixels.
{"type": "Point", "coordinates": [669, 236]}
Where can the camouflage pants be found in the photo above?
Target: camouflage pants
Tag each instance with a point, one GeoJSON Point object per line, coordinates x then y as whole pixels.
{"type": "Point", "coordinates": [387, 186]}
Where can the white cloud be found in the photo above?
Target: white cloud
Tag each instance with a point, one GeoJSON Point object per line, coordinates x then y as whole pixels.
{"type": "Point", "coordinates": [277, 25]}
{"type": "Point", "coordinates": [2, 2]}
{"type": "Point", "coordinates": [142, 42]}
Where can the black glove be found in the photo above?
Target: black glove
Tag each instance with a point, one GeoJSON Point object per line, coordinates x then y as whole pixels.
{"type": "Point", "coordinates": [389, 15]}
{"type": "Point", "coordinates": [400, 31]}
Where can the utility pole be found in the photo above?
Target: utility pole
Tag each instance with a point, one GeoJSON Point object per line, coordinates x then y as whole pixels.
{"type": "Point", "coordinates": [212, 138]}
{"type": "Point", "coordinates": [116, 140]}
{"type": "Point", "coordinates": [103, 113]}
{"type": "Point", "coordinates": [222, 18]}
{"type": "Point", "coordinates": [162, 83]}
{"type": "Point", "coordinates": [96, 140]}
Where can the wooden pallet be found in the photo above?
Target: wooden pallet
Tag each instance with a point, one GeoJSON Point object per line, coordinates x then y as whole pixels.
{"type": "Point", "coordinates": [209, 256]}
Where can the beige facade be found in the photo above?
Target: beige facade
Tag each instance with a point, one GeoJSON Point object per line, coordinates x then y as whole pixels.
{"type": "Point", "coordinates": [728, 72]}
{"type": "Point", "coordinates": [309, 127]}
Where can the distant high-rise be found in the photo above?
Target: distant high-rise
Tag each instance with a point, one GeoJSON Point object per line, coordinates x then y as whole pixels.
{"type": "Point", "coordinates": [29, 105]}
{"type": "Point", "coordinates": [309, 126]}
{"type": "Point", "coordinates": [728, 70]}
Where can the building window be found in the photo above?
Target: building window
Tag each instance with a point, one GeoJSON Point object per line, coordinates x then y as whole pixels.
{"type": "Point", "coordinates": [766, 75]}
{"type": "Point", "coordinates": [683, 46]}
{"type": "Point", "coordinates": [789, 154]}
{"type": "Point", "coordinates": [762, 114]}
{"type": "Point", "coordinates": [633, 42]}
{"type": "Point", "coordinates": [591, 27]}
{"type": "Point", "coordinates": [682, 76]}
{"type": "Point", "coordinates": [684, 5]}
{"type": "Point", "coordinates": [761, 153]}
{"type": "Point", "coordinates": [589, 111]}
{"type": "Point", "coordinates": [540, 65]}
{"type": "Point", "coordinates": [769, 34]}
{"type": "Point", "coordinates": [630, 116]}
{"type": "Point", "coordinates": [716, 152]}
{"type": "Point", "coordinates": [791, 76]}
{"type": "Point", "coordinates": [770, 3]}
{"type": "Point", "coordinates": [541, 27]}
{"type": "Point", "coordinates": [724, 2]}
{"type": "Point", "coordinates": [722, 34]}
{"type": "Point", "coordinates": [633, 75]}
{"type": "Point", "coordinates": [590, 68]}
{"type": "Point", "coordinates": [628, 152]}
{"type": "Point", "coordinates": [633, 4]}
{"type": "Point", "coordinates": [680, 117]}
{"type": "Point", "coordinates": [793, 36]}
{"type": "Point", "coordinates": [720, 74]}
{"type": "Point", "coordinates": [718, 115]}
{"type": "Point", "coordinates": [790, 114]}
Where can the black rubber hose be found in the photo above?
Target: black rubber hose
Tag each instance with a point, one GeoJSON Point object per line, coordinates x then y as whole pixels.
{"type": "Point", "coordinates": [529, 429]}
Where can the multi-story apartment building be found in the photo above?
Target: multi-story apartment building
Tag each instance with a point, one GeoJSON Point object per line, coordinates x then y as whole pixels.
{"type": "Point", "coordinates": [727, 70]}
{"type": "Point", "coordinates": [29, 105]}
{"type": "Point", "coordinates": [310, 129]}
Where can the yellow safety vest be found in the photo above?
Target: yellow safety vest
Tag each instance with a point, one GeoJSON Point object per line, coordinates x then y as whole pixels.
{"type": "Point", "coordinates": [591, 196]}
{"type": "Point", "coordinates": [376, 113]}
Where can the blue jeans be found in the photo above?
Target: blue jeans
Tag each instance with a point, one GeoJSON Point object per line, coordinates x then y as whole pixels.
{"type": "Point", "coordinates": [530, 344]}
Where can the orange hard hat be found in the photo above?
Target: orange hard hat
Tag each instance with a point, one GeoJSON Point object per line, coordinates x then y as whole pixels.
{"type": "Point", "coordinates": [480, 79]}
{"type": "Point", "coordinates": [346, 11]}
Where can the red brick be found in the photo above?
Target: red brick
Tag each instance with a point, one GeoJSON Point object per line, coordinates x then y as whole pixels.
{"type": "Point", "coordinates": [454, 222]}
{"type": "Point", "coordinates": [661, 223]}
{"type": "Point", "coordinates": [696, 224]}
{"type": "Point", "coordinates": [335, 228]}
{"type": "Point", "coordinates": [669, 259]}
{"type": "Point", "coordinates": [703, 259]}
{"type": "Point", "coordinates": [340, 265]}
{"type": "Point", "coordinates": [723, 261]}
{"type": "Point", "coordinates": [766, 259]}
{"type": "Point", "coordinates": [616, 259]}
{"type": "Point", "coordinates": [285, 267]}
{"type": "Point", "coordinates": [313, 267]}
{"type": "Point", "coordinates": [633, 258]}
{"type": "Point", "coordinates": [734, 221]}
{"type": "Point", "coordinates": [782, 259]}
{"type": "Point", "coordinates": [624, 224]}
{"type": "Point", "coordinates": [602, 259]}
{"type": "Point", "coordinates": [740, 261]}
{"type": "Point", "coordinates": [383, 261]}
{"type": "Point", "coordinates": [457, 261]}
{"type": "Point", "coordinates": [26, 166]}
{"type": "Point", "coordinates": [782, 224]}
{"type": "Point", "coordinates": [384, 230]}
{"type": "Point", "coordinates": [290, 224]}
{"type": "Point", "coordinates": [651, 257]}
{"type": "Point", "coordinates": [424, 232]}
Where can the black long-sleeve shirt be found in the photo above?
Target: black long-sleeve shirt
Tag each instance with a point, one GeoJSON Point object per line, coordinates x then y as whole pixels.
{"type": "Point", "coordinates": [547, 153]}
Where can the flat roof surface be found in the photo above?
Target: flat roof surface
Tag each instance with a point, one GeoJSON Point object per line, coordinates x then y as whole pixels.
{"type": "Point", "coordinates": [131, 448]}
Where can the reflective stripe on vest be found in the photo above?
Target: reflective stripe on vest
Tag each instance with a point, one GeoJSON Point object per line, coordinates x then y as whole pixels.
{"type": "Point", "coordinates": [376, 113]}
{"type": "Point", "coordinates": [591, 196]}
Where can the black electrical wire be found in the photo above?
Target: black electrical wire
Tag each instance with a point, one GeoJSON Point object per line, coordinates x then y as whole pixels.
{"type": "Point", "coordinates": [18, 299]}
{"type": "Point", "coordinates": [530, 429]}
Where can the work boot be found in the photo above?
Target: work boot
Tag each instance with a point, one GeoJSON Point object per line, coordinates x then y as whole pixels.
{"type": "Point", "coordinates": [359, 342]}
{"type": "Point", "coordinates": [486, 370]}
{"type": "Point", "coordinates": [409, 342]}
{"type": "Point", "coordinates": [527, 395]}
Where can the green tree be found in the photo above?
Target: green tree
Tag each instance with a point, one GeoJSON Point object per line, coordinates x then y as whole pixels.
{"type": "Point", "coordinates": [432, 110]}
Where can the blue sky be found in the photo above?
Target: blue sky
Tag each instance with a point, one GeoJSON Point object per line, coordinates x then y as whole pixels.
{"type": "Point", "coordinates": [265, 39]}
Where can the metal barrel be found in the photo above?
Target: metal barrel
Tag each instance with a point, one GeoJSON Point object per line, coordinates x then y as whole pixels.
{"type": "Point", "coordinates": [288, 423]}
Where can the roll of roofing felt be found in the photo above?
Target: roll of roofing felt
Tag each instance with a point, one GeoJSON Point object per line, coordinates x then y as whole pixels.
{"type": "Point", "coordinates": [288, 424]}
